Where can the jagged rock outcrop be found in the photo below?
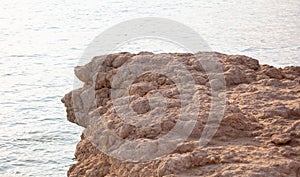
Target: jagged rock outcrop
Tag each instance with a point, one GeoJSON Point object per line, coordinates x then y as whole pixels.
{"type": "Point", "coordinates": [259, 134]}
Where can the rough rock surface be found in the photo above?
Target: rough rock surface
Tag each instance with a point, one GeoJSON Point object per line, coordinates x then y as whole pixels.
{"type": "Point", "coordinates": [259, 134]}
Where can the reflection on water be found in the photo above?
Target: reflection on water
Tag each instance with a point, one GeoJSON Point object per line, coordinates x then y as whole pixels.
{"type": "Point", "coordinates": [42, 41]}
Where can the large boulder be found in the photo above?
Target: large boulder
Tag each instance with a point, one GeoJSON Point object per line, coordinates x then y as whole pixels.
{"type": "Point", "coordinates": [258, 135]}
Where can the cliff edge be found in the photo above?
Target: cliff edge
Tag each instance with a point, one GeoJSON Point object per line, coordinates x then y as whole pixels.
{"type": "Point", "coordinates": [127, 106]}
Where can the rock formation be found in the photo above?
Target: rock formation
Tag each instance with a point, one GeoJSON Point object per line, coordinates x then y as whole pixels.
{"type": "Point", "coordinates": [258, 135]}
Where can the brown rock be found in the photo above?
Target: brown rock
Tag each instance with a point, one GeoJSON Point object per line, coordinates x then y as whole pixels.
{"type": "Point", "coordinates": [281, 139]}
{"type": "Point", "coordinates": [274, 73]}
{"type": "Point", "coordinates": [258, 135]}
{"type": "Point", "coordinates": [140, 106]}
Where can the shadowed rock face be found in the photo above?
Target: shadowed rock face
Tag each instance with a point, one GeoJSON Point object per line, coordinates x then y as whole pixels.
{"type": "Point", "coordinates": [259, 134]}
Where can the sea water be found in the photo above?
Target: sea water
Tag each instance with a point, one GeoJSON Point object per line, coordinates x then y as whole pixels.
{"type": "Point", "coordinates": [41, 42]}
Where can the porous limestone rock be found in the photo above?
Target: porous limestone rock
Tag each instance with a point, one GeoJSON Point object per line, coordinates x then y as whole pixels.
{"type": "Point", "coordinates": [259, 134]}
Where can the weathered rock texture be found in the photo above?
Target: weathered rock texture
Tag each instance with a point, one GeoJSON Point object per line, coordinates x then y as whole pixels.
{"type": "Point", "coordinates": [258, 136]}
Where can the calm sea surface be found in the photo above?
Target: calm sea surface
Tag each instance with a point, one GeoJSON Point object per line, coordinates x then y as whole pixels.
{"type": "Point", "coordinates": [41, 41]}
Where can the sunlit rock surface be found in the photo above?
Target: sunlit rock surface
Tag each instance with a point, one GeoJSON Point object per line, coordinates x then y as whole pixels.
{"type": "Point", "coordinates": [259, 134]}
